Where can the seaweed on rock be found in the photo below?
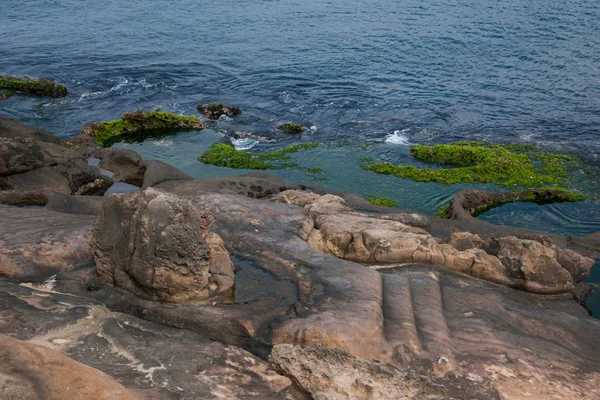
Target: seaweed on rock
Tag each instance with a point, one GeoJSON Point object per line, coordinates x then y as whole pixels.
{"type": "Point", "coordinates": [40, 87]}
{"type": "Point", "coordinates": [511, 166]}
{"type": "Point", "coordinates": [225, 155]}
{"type": "Point", "coordinates": [291, 128]}
{"type": "Point", "coordinates": [138, 124]}
{"type": "Point", "coordinates": [381, 201]}
{"type": "Point", "coordinates": [215, 110]}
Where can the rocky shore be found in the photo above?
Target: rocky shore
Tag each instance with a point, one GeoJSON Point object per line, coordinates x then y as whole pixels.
{"type": "Point", "coordinates": [249, 288]}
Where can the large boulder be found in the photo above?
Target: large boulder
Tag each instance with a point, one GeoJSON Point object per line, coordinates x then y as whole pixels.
{"type": "Point", "coordinates": [32, 372]}
{"type": "Point", "coordinates": [157, 246]}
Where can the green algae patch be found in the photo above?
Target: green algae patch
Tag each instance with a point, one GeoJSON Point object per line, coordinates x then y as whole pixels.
{"type": "Point", "coordinates": [138, 125]}
{"type": "Point", "coordinates": [381, 201]}
{"type": "Point", "coordinates": [510, 166]}
{"type": "Point", "coordinates": [443, 212]}
{"type": "Point", "coordinates": [40, 87]}
{"type": "Point", "coordinates": [225, 155]}
{"type": "Point", "coordinates": [291, 128]}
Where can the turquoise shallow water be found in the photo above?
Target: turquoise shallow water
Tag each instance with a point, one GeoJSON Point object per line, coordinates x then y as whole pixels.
{"type": "Point", "coordinates": [358, 73]}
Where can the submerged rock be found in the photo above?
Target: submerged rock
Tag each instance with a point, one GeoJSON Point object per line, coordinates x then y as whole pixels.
{"type": "Point", "coordinates": [291, 128]}
{"type": "Point", "coordinates": [41, 87]}
{"type": "Point", "coordinates": [137, 124]}
{"type": "Point", "coordinates": [216, 110]}
{"type": "Point", "coordinates": [157, 246]}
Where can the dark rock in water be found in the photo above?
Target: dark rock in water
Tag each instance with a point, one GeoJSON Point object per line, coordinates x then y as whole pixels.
{"type": "Point", "coordinates": [215, 110]}
{"type": "Point", "coordinates": [292, 128]}
{"type": "Point", "coordinates": [31, 372]}
{"type": "Point", "coordinates": [152, 361]}
{"type": "Point", "coordinates": [138, 124]}
{"type": "Point", "coordinates": [41, 87]}
{"type": "Point", "coordinates": [468, 204]}
{"type": "Point", "coordinates": [157, 246]}
{"type": "Point", "coordinates": [5, 94]}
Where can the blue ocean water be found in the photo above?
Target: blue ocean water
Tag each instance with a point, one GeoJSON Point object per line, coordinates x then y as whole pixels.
{"type": "Point", "coordinates": [379, 72]}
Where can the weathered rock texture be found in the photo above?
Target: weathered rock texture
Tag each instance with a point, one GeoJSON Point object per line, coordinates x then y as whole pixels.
{"type": "Point", "coordinates": [336, 374]}
{"type": "Point", "coordinates": [336, 229]}
{"type": "Point", "coordinates": [30, 372]}
{"type": "Point", "coordinates": [35, 244]}
{"type": "Point", "coordinates": [158, 246]}
{"type": "Point", "coordinates": [152, 361]}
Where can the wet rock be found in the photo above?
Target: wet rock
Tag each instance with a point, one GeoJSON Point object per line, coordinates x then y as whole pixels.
{"type": "Point", "coordinates": [158, 246]}
{"type": "Point", "coordinates": [29, 372]}
{"type": "Point", "coordinates": [138, 124]}
{"type": "Point", "coordinates": [41, 87]}
{"type": "Point", "coordinates": [156, 172]}
{"type": "Point", "coordinates": [126, 165]}
{"type": "Point", "coordinates": [53, 201]}
{"type": "Point", "coordinates": [468, 204]}
{"type": "Point", "coordinates": [216, 110]}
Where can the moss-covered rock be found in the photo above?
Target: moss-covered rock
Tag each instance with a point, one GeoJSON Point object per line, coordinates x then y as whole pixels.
{"type": "Point", "coordinates": [511, 166]}
{"type": "Point", "coordinates": [225, 155]}
{"type": "Point", "coordinates": [215, 110]}
{"type": "Point", "coordinates": [291, 128]}
{"type": "Point", "coordinates": [472, 203]}
{"type": "Point", "coordinates": [138, 124]}
{"type": "Point", "coordinates": [40, 87]}
{"type": "Point", "coordinates": [381, 201]}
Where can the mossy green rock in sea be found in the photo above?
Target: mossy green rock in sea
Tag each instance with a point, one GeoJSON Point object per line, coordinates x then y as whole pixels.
{"type": "Point", "coordinates": [477, 202]}
{"type": "Point", "coordinates": [40, 87]}
{"type": "Point", "coordinates": [225, 155]}
{"type": "Point", "coordinates": [138, 124]}
{"type": "Point", "coordinates": [381, 201]}
{"type": "Point", "coordinates": [216, 110]}
{"type": "Point", "coordinates": [291, 128]}
{"type": "Point", "coordinates": [508, 165]}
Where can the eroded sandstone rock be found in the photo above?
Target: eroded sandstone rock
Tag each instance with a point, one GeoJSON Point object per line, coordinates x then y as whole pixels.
{"type": "Point", "coordinates": [338, 230]}
{"type": "Point", "coordinates": [157, 246]}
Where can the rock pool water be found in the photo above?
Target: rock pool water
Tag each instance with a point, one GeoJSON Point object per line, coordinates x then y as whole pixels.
{"type": "Point", "coordinates": [396, 73]}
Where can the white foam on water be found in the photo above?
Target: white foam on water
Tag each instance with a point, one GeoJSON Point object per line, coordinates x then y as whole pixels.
{"type": "Point", "coordinates": [398, 137]}
{"type": "Point", "coordinates": [162, 143]}
{"type": "Point", "coordinates": [244, 143]}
